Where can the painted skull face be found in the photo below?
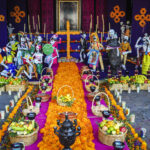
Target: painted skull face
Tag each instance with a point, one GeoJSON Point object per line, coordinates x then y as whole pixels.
{"type": "Point", "coordinates": [13, 37]}
{"type": "Point", "coordinates": [39, 39]}
{"type": "Point", "coordinates": [23, 39]}
{"type": "Point", "coordinates": [52, 41]}
{"type": "Point", "coordinates": [111, 32]}
{"type": "Point", "coordinates": [125, 38]}
{"type": "Point", "coordinates": [84, 35]}
{"type": "Point", "coordinates": [94, 38]}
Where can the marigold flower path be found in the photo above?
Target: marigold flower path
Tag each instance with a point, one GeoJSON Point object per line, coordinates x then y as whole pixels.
{"type": "Point", "coordinates": [67, 74]}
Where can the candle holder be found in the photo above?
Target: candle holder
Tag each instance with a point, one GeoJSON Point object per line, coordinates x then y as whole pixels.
{"type": "Point", "coordinates": [31, 115]}
{"type": "Point", "coordinates": [118, 145]}
{"type": "Point", "coordinates": [67, 133]}
{"type": "Point", "coordinates": [92, 88]}
{"type": "Point", "coordinates": [38, 101]}
{"type": "Point", "coordinates": [106, 114]}
{"type": "Point", "coordinates": [17, 146]}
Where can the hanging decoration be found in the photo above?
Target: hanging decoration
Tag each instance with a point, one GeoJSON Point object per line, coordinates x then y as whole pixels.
{"type": "Point", "coordinates": [116, 14]}
{"type": "Point", "coordinates": [142, 17]}
{"type": "Point", "coordinates": [18, 14]}
{"type": "Point", "coordinates": [2, 18]}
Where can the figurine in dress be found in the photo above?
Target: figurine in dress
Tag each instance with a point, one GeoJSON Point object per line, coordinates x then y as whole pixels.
{"type": "Point", "coordinates": [38, 59]}
{"type": "Point", "coordinates": [94, 55]}
{"type": "Point", "coordinates": [112, 47]}
{"type": "Point", "coordinates": [145, 46]}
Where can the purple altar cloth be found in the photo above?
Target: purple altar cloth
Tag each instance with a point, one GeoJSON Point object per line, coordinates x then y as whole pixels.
{"type": "Point", "coordinates": [41, 119]}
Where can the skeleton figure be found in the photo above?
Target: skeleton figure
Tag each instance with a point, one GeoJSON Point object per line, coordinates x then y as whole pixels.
{"type": "Point", "coordinates": [83, 55]}
{"type": "Point", "coordinates": [125, 49]}
{"type": "Point", "coordinates": [146, 52]}
{"type": "Point", "coordinates": [38, 59]}
{"type": "Point", "coordinates": [10, 29]}
{"type": "Point", "coordinates": [7, 62]}
{"type": "Point", "coordinates": [94, 55]}
{"type": "Point", "coordinates": [112, 46]}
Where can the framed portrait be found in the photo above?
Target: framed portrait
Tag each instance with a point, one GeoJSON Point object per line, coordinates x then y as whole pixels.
{"type": "Point", "coordinates": [68, 10]}
{"type": "Point", "coordinates": [93, 57]}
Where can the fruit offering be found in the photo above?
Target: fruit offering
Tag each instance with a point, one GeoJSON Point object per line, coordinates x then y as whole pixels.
{"type": "Point", "coordinates": [22, 128]}
{"type": "Point", "coordinates": [112, 127]}
{"type": "Point", "coordinates": [3, 81]}
{"type": "Point", "coordinates": [67, 99]}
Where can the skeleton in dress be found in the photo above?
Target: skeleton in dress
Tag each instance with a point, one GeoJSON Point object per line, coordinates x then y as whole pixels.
{"type": "Point", "coordinates": [83, 55]}
{"type": "Point", "coordinates": [112, 47]}
{"type": "Point", "coordinates": [145, 46]}
{"type": "Point", "coordinates": [38, 59]}
{"type": "Point", "coordinates": [8, 63]}
{"type": "Point", "coordinates": [94, 55]}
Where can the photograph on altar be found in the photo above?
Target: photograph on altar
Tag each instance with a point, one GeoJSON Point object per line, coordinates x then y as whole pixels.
{"type": "Point", "coordinates": [68, 10]}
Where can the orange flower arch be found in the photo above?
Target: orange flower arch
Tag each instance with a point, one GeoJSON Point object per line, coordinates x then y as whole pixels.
{"type": "Point", "coordinates": [142, 17]}
{"type": "Point", "coordinates": [17, 14]}
{"type": "Point", "coordinates": [116, 14]}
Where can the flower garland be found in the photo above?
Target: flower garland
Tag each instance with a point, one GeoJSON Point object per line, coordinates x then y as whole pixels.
{"type": "Point", "coordinates": [12, 114]}
{"type": "Point", "coordinates": [134, 142]}
{"type": "Point", "coordinates": [67, 74]}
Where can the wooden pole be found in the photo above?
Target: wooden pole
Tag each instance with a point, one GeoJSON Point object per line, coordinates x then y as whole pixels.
{"type": "Point", "coordinates": [24, 28]}
{"type": "Point", "coordinates": [109, 26]}
{"type": "Point", "coordinates": [29, 23]}
{"type": "Point", "coordinates": [39, 22]}
{"type": "Point", "coordinates": [103, 24]}
{"type": "Point", "coordinates": [33, 23]}
{"type": "Point", "coordinates": [37, 28]}
{"type": "Point", "coordinates": [44, 29]}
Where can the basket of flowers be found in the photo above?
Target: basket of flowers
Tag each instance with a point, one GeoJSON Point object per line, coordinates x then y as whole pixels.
{"type": "Point", "coordinates": [111, 131]}
{"type": "Point", "coordinates": [92, 83]}
{"type": "Point", "coordinates": [67, 99]}
{"type": "Point", "coordinates": [25, 131]}
{"type": "Point", "coordinates": [97, 107]}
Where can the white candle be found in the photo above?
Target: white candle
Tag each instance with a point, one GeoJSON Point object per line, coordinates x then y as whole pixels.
{"type": "Point", "coordinates": [19, 95]}
{"type": "Point", "coordinates": [132, 118]}
{"type": "Point", "coordinates": [118, 94]}
{"type": "Point", "coordinates": [0, 93]}
{"type": "Point", "coordinates": [138, 89]}
{"type": "Point", "coordinates": [127, 111]}
{"type": "Point", "coordinates": [123, 104]}
{"type": "Point", "coordinates": [12, 103]}
{"type": "Point", "coordinates": [20, 92]}
{"type": "Point", "coordinates": [119, 99]}
{"type": "Point", "coordinates": [2, 114]}
{"type": "Point", "coordinates": [148, 89]}
{"type": "Point", "coordinates": [129, 90]}
{"type": "Point", "coordinates": [120, 90]}
{"type": "Point", "coordinates": [9, 92]}
{"type": "Point", "coordinates": [16, 98]}
{"type": "Point", "coordinates": [7, 108]}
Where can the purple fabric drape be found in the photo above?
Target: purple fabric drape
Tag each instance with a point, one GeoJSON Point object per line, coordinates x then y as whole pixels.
{"type": "Point", "coordinates": [87, 11]}
{"type": "Point", "coordinates": [48, 15]}
{"type": "Point", "coordinates": [34, 12]}
{"type": "Point", "coordinates": [3, 24]}
{"type": "Point", "coordinates": [137, 30]}
{"type": "Point", "coordinates": [101, 7]}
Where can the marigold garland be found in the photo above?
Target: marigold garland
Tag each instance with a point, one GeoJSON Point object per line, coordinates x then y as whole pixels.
{"type": "Point", "coordinates": [12, 114]}
{"type": "Point", "coordinates": [67, 74]}
{"type": "Point", "coordinates": [122, 116]}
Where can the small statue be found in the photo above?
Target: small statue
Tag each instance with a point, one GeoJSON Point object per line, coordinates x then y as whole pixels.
{"type": "Point", "coordinates": [112, 46]}
{"type": "Point", "coordinates": [10, 29]}
{"type": "Point", "coordinates": [94, 55]}
{"type": "Point", "coordinates": [38, 59]}
{"type": "Point", "coordinates": [40, 41]}
{"type": "Point", "coordinates": [146, 52]}
{"type": "Point", "coordinates": [83, 55]}
{"type": "Point", "coordinates": [54, 43]}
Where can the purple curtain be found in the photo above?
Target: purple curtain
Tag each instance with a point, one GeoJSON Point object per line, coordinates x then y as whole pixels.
{"type": "Point", "coordinates": [137, 30]}
{"type": "Point", "coordinates": [33, 13]}
{"type": "Point", "coordinates": [87, 11]}
{"type": "Point", "coordinates": [101, 7]}
{"type": "Point", "coordinates": [3, 23]}
{"type": "Point", "coordinates": [48, 15]}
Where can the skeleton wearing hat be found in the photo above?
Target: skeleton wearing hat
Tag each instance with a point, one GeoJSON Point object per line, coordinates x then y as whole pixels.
{"type": "Point", "coordinates": [145, 46]}
{"type": "Point", "coordinates": [96, 46]}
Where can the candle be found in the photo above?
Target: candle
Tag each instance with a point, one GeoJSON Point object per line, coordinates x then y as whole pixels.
{"type": "Point", "coordinates": [115, 92]}
{"type": "Point", "coordinates": [7, 108]}
{"type": "Point", "coordinates": [2, 114]}
{"type": "Point", "coordinates": [11, 103]}
{"type": "Point", "coordinates": [33, 23]}
{"type": "Point", "coordinates": [148, 89]}
{"type": "Point", "coordinates": [138, 89]}
{"type": "Point", "coordinates": [44, 29]}
{"type": "Point", "coordinates": [119, 99]}
{"type": "Point", "coordinates": [132, 118]}
{"type": "Point", "coordinates": [143, 132]}
{"type": "Point", "coordinates": [9, 92]}
{"type": "Point", "coordinates": [0, 92]}
{"type": "Point", "coordinates": [129, 90]}
{"type": "Point", "coordinates": [127, 111]}
{"type": "Point", "coordinates": [24, 27]}
{"type": "Point", "coordinates": [18, 94]}
{"type": "Point", "coordinates": [120, 90]}
{"type": "Point", "coordinates": [118, 94]}
{"type": "Point", "coordinates": [16, 98]}
{"type": "Point", "coordinates": [123, 104]}
{"type": "Point", "coordinates": [39, 22]}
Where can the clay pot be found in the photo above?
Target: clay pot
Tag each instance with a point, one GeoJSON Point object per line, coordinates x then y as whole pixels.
{"type": "Point", "coordinates": [44, 97]}
{"type": "Point", "coordinates": [71, 116]}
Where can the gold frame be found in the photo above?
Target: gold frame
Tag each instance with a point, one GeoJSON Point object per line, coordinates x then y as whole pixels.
{"type": "Point", "coordinates": [58, 14]}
